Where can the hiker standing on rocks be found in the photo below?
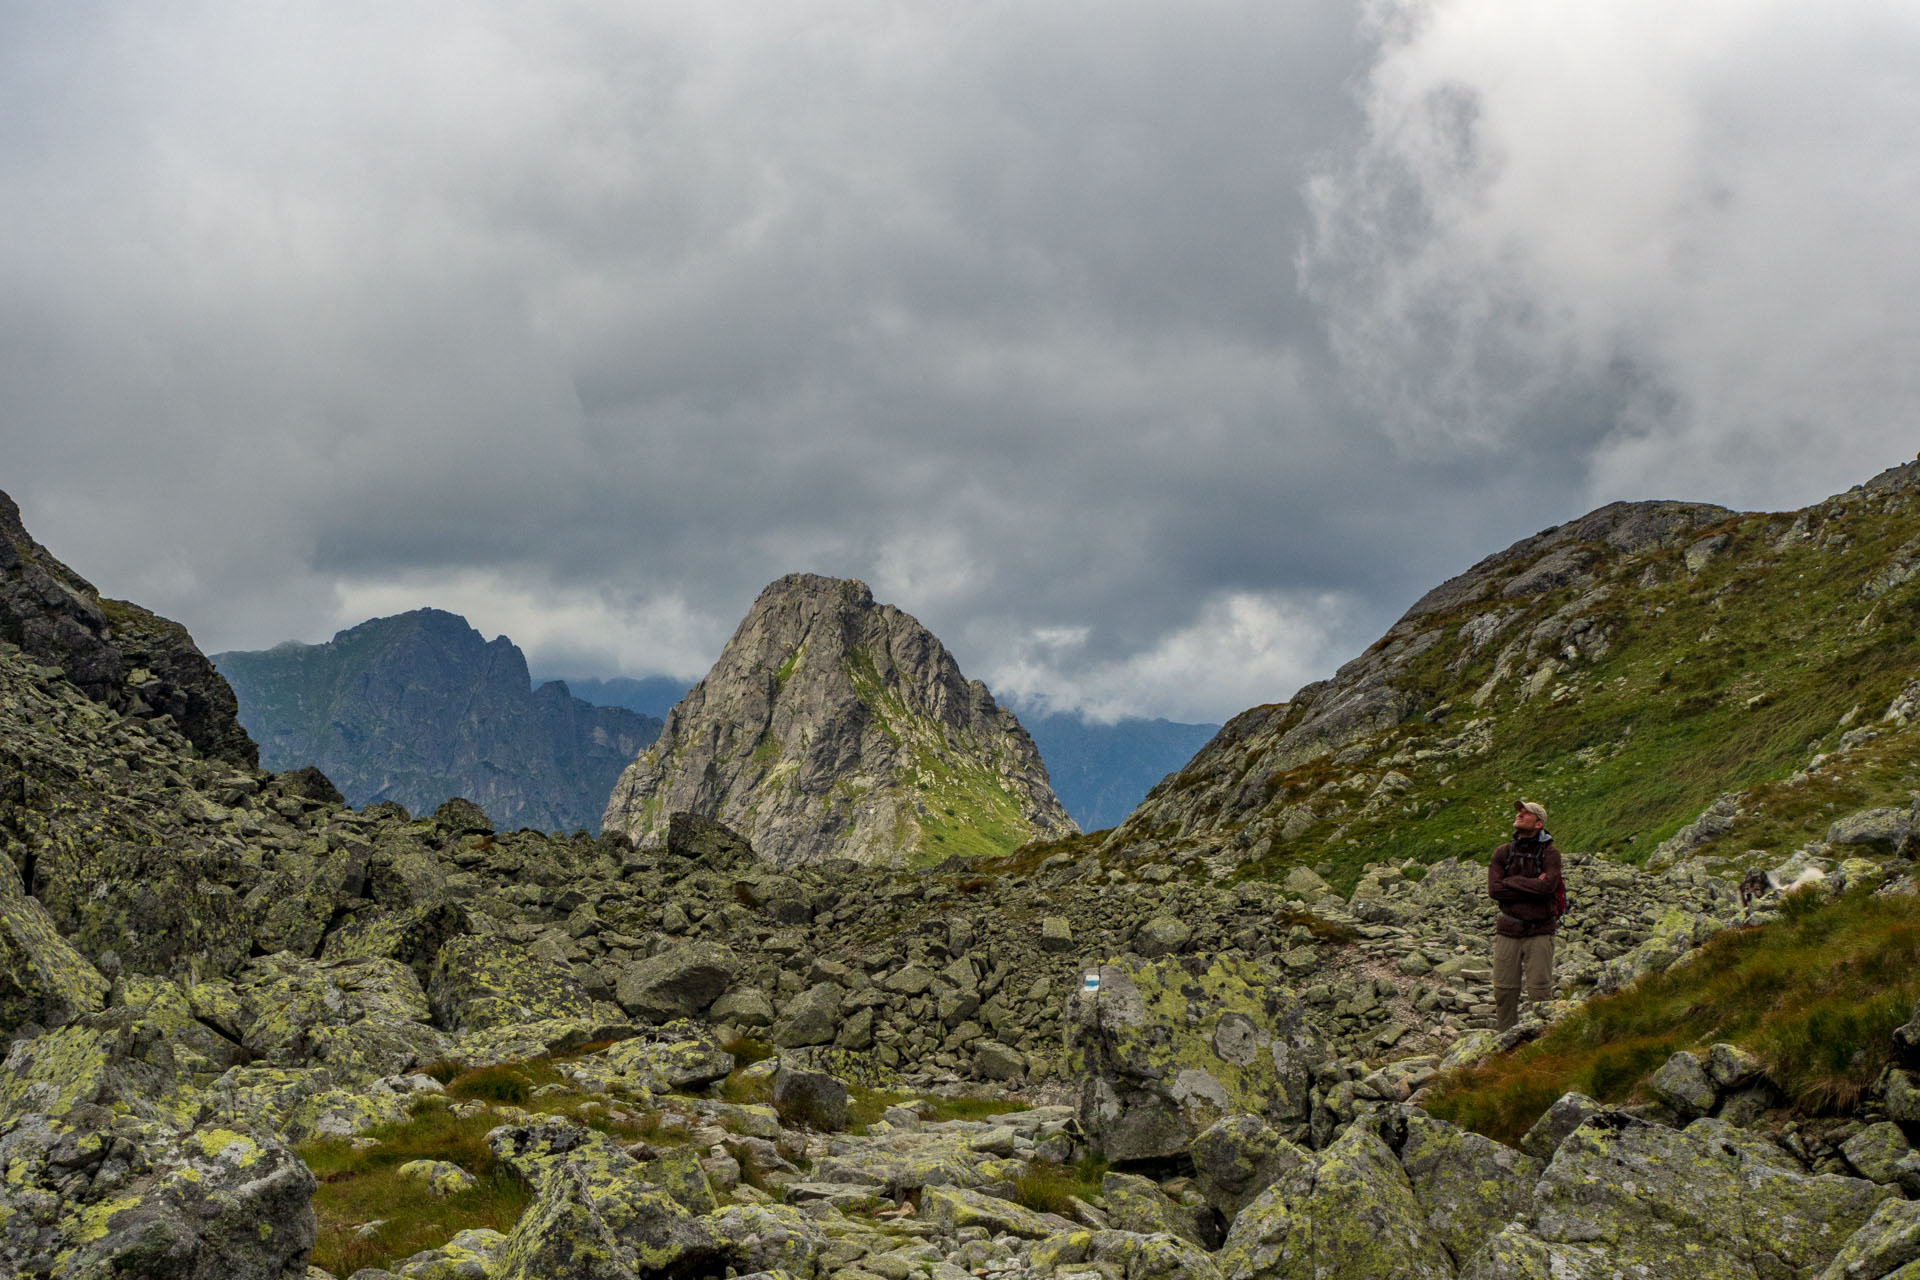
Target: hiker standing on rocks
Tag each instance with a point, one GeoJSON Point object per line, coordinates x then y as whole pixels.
{"type": "Point", "coordinates": [1524, 878]}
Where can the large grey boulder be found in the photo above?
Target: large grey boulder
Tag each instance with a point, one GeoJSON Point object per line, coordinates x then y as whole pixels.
{"type": "Point", "coordinates": [1351, 1211]}
{"type": "Point", "coordinates": [810, 1099]}
{"type": "Point", "coordinates": [1709, 1201]}
{"type": "Point", "coordinates": [481, 983]}
{"type": "Point", "coordinates": [1164, 1052]}
{"type": "Point", "coordinates": [1684, 1086]}
{"type": "Point", "coordinates": [1569, 1112]}
{"type": "Point", "coordinates": [594, 1217]}
{"type": "Point", "coordinates": [812, 1017]}
{"type": "Point", "coordinates": [1888, 1245]}
{"type": "Point", "coordinates": [743, 1007]}
{"type": "Point", "coordinates": [1138, 1205]}
{"type": "Point", "coordinates": [680, 982]}
{"type": "Point", "coordinates": [360, 1019]}
{"type": "Point", "coordinates": [1887, 830]}
{"type": "Point", "coordinates": [1162, 936]}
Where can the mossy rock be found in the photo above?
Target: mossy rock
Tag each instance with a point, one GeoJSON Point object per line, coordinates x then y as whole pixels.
{"type": "Point", "coordinates": [1167, 1048]}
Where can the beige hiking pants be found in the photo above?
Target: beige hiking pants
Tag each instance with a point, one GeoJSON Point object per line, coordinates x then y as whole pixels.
{"type": "Point", "coordinates": [1511, 958]}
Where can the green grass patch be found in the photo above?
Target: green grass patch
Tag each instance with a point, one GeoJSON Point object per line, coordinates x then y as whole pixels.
{"type": "Point", "coordinates": [1046, 1187]}
{"type": "Point", "coordinates": [1814, 995]}
{"type": "Point", "coordinates": [866, 1105]}
{"type": "Point", "coordinates": [356, 1187]}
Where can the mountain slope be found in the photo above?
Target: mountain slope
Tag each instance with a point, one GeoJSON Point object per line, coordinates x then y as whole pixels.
{"type": "Point", "coordinates": [1627, 669]}
{"type": "Point", "coordinates": [832, 726]}
{"type": "Point", "coordinates": [418, 708]}
{"type": "Point", "coordinates": [1101, 771]}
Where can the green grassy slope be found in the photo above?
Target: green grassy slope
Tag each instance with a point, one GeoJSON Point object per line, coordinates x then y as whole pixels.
{"type": "Point", "coordinates": [1626, 699]}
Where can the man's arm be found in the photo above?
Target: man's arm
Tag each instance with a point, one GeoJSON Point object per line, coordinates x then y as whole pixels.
{"type": "Point", "coordinates": [1541, 886]}
{"type": "Point", "coordinates": [1497, 877]}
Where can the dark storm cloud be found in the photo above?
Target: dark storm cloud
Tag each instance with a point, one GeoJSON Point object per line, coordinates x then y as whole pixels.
{"type": "Point", "coordinates": [588, 321]}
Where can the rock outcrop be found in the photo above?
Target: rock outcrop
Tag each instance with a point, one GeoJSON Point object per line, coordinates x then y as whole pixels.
{"type": "Point", "coordinates": [832, 726]}
{"type": "Point", "coordinates": [116, 653]}
{"type": "Point", "coordinates": [417, 708]}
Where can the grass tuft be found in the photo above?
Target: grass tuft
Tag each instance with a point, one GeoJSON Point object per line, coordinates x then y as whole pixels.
{"type": "Point", "coordinates": [1047, 1187]}
{"type": "Point", "coordinates": [746, 1050]}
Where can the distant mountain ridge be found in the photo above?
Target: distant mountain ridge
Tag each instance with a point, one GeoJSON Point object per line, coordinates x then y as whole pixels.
{"type": "Point", "coordinates": [418, 708]}
{"type": "Point", "coordinates": [832, 726]}
{"type": "Point", "coordinates": [1101, 771]}
{"type": "Point", "coordinates": [651, 696]}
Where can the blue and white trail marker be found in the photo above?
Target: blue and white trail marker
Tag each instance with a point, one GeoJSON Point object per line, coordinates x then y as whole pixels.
{"type": "Point", "coordinates": [1092, 983]}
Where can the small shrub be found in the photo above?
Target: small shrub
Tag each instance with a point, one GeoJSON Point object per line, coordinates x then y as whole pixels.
{"type": "Point", "coordinates": [746, 1050]}
{"type": "Point", "coordinates": [974, 1108]}
{"type": "Point", "coordinates": [510, 1084]}
{"type": "Point", "coordinates": [443, 1071]}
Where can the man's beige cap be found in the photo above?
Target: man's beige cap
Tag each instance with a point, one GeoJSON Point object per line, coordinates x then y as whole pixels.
{"type": "Point", "coordinates": [1537, 810]}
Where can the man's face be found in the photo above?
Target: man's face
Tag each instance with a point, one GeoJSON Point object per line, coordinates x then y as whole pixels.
{"type": "Point", "coordinates": [1525, 823]}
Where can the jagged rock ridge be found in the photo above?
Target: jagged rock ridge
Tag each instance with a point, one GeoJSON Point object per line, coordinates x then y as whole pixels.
{"type": "Point", "coordinates": [418, 708]}
{"type": "Point", "coordinates": [834, 726]}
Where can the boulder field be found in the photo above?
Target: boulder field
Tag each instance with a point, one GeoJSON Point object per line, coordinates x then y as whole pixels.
{"type": "Point", "coordinates": [209, 966]}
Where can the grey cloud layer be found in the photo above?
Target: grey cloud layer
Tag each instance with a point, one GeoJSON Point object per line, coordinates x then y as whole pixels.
{"type": "Point", "coordinates": [591, 323]}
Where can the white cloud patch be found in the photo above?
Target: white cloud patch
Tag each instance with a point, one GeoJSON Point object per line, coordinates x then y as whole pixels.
{"type": "Point", "coordinates": [1244, 649]}
{"type": "Point", "coordinates": [1692, 227]}
{"type": "Point", "coordinates": [558, 629]}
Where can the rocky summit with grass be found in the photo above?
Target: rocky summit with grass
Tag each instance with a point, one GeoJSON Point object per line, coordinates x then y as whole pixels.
{"type": "Point", "coordinates": [253, 1032]}
{"type": "Point", "coordinates": [832, 726]}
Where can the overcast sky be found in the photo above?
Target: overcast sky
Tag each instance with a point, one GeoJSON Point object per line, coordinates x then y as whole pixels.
{"type": "Point", "coordinates": [1156, 356]}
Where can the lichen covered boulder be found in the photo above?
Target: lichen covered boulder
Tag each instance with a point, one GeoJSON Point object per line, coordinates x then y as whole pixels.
{"type": "Point", "coordinates": [680, 982]}
{"type": "Point", "coordinates": [1165, 1049]}
{"type": "Point", "coordinates": [480, 983]}
{"type": "Point", "coordinates": [1467, 1185]}
{"type": "Point", "coordinates": [955, 1208]}
{"type": "Point", "coordinates": [1351, 1211]}
{"type": "Point", "coordinates": [360, 1019]}
{"type": "Point", "coordinates": [1238, 1157]}
{"type": "Point", "coordinates": [1708, 1201]}
{"type": "Point", "coordinates": [595, 1218]}
{"type": "Point", "coordinates": [43, 979]}
{"type": "Point", "coordinates": [679, 1055]}
{"type": "Point", "coordinates": [92, 1194]}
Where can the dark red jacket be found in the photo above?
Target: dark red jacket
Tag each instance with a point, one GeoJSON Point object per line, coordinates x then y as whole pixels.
{"type": "Point", "coordinates": [1524, 878]}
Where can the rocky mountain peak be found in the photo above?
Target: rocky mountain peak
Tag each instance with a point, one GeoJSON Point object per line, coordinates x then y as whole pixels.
{"type": "Point", "coordinates": [418, 707]}
{"type": "Point", "coordinates": [835, 726]}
